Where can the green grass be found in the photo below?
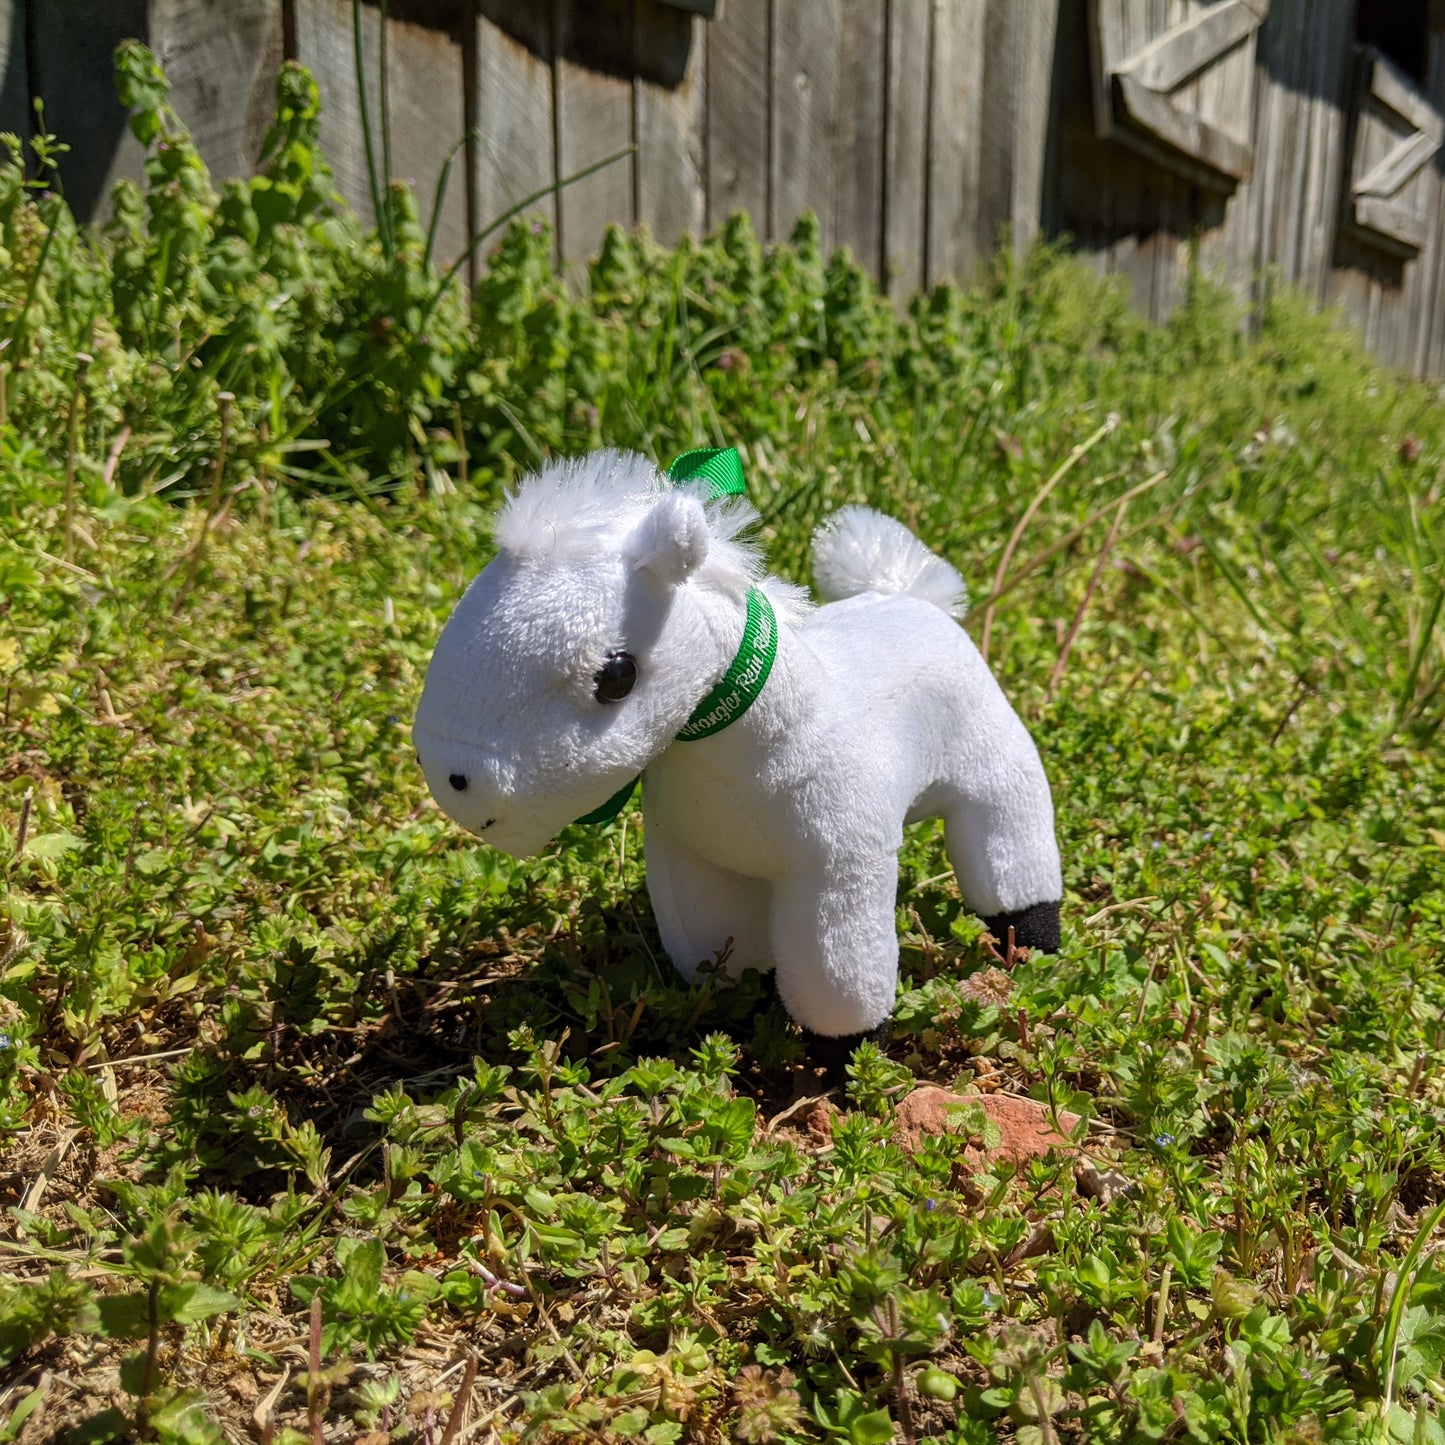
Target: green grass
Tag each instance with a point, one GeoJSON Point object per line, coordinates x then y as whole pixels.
{"type": "Point", "coordinates": [318, 1114]}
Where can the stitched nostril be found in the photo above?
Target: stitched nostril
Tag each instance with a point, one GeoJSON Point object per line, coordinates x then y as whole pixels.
{"type": "Point", "coordinates": [458, 781]}
{"type": "Point", "coordinates": [486, 825]}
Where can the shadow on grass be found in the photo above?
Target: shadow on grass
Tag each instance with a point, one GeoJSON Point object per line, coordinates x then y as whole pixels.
{"type": "Point", "coordinates": [302, 1074]}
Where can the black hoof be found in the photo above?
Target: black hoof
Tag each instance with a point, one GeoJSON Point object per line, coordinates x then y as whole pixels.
{"type": "Point", "coordinates": [835, 1054]}
{"type": "Point", "coordinates": [1035, 927]}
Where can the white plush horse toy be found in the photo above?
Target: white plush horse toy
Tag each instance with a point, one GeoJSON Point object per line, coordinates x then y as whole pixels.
{"type": "Point", "coordinates": [622, 629]}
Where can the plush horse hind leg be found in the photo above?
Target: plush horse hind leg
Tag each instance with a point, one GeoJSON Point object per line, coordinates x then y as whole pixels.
{"type": "Point", "coordinates": [622, 629]}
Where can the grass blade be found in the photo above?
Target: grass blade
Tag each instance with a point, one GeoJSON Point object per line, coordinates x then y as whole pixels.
{"type": "Point", "coordinates": [371, 175]}
{"type": "Point", "coordinates": [513, 211]}
{"type": "Point", "coordinates": [1088, 597]}
{"type": "Point", "coordinates": [1417, 660]}
{"type": "Point", "coordinates": [385, 131]}
{"type": "Point", "coordinates": [1399, 1297]}
{"type": "Point", "coordinates": [439, 196]}
{"type": "Point", "coordinates": [1236, 584]}
{"type": "Point", "coordinates": [1039, 497]}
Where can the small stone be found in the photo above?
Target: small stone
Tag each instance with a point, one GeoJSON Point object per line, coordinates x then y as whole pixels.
{"type": "Point", "coordinates": [818, 1121]}
{"type": "Point", "coordinates": [1027, 1128]}
{"type": "Point", "coordinates": [1100, 1184]}
{"type": "Point", "coordinates": [244, 1387]}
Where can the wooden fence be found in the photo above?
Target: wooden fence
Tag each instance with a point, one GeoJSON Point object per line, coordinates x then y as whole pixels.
{"type": "Point", "coordinates": [1298, 139]}
{"type": "Point", "coordinates": [914, 130]}
{"type": "Point", "coordinates": [1340, 190]}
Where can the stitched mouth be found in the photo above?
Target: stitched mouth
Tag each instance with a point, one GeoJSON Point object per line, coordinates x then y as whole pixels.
{"type": "Point", "coordinates": [486, 825]}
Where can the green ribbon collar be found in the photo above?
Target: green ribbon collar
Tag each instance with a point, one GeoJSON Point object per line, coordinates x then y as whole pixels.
{"type": "Point", "coordinates": [747, 674]}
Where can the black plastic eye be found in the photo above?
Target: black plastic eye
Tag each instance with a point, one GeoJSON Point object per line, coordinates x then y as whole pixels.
{"type": "Point", "coordinates": [458, 781]}
{"type": "Point", "coordinates": [616, 676]}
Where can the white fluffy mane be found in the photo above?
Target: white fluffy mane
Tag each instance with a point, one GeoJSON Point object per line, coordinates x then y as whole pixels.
{"type": "Point", "coordinates": [567, 509]}
{"type": "Point", "coordinates": [576, 508]}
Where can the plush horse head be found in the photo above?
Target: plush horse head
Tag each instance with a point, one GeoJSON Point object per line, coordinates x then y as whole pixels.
{"type": "Point", "coordinates": [577, 654]}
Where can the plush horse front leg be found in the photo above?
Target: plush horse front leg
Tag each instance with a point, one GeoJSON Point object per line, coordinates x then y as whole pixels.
{"type": "Point", "coordinates": [836, 946]}
{"type": "Point", "coordinates": [699, 906]}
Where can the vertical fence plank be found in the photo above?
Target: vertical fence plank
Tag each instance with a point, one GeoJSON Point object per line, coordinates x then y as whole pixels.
{"type": "Point", "coordinates": [1037, 24]}
{"type": "Point", "coordinates": [14, 78]}
{"type": "Point", "coordinates": [857, 159]}
{"type": "Point", "coordinates": [1176, 199]}
{"type": "Point", "coordinates": [1427, 359]}
{"type": "Point", "coordinates": [1330, 67]}
{"type": "Point", "coordinates": [594, 120]}
{"type": "Point", "coordinates": [905, 160]}
{"type": "Point", "coordinates": [325, 46]}
{"type": "Point", "coordinates": [1280, 218]}
{"type": "Point", "coordinates": [428, 121]}
{"type": "Point", "coordinates": [993, 135]}
{"type": "Point", "coordinates": [670, 103]}
{"type": "Point", "coordinates": [514, 152]}
{"type": "Point", "coordinates": [805, 112]}
{"type": "Point", "coordinates": [425, 101]}
{"type": "Point", "coordinates": [1169, 246]}
{"type": "Point", "coordinates": [1406, 316]}
{"type": "Point", "coordinates": [74, 47]}
{"type": "Point", "coordinates": [1256, 197]}
{"type": "Point", "coordinates": [1359, 275]}
{"type": "Point", "coordinates": [222, 65]}
{"type": "Point", "coordinates": [739, 70]}
{"type": "Point", "coordinates": [1227, 253]}
{"type": "Point", "coordinates": [955, 88]}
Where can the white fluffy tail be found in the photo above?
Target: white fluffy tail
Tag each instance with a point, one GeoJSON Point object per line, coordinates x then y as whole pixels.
{"type": "Point", "coordinates": [860, 550]}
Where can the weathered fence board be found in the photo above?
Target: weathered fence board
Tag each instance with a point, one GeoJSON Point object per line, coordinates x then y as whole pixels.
{"type": "Point", "coordinates": [78, 38]}
{"type": "Point", "coordinates": [804, 106]}
{"type": "Point", "coordinates": [428, 124]}
{"type": "Point", "coordinates": [1306, 85]}
{"type": "Point", "coordinates": [904, 204]}
{"type": "Point", "coordinates": [858, 142]}
{"type": "Point", "coordinates": [14, 79]}
{"type": "Point", "coordinates": [1012, 123]}
{"type": "Point", "coordinates": [955, 85]}
{"type": "Point", "coordinates": [426, 109]}
{"type": "Point", "coordinates": [670, 96]}
{"type": "Point", "coordinates": [1429, 357]}
{"type": "Point", "coordinates": [995, 133]}
{"type": "Point", "coordinates": [514, 145]}
{"type": "Point", "coordinates": [739, 82]}
{"type": "Point", "coordinates": [1033, 87]}
{"type": "Point", "coordinates": [326, 46]}
{"type": "Point", "coordinates": [594, 120]}
{"type": "Point", "coordinates": [222, 60]}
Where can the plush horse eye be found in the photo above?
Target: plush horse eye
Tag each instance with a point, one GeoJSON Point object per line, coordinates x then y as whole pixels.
{"type": "Point", "coordinates": [615, 677]}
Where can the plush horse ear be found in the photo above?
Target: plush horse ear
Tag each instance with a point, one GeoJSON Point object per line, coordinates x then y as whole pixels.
{"type": "Point", "coordinates": [671, 541]}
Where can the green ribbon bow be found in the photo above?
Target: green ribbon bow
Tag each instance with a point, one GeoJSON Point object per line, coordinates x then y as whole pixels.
{"type": "Point", "coordinates": [740, 686]}
{"type": "Point", "coordinates": [720, 467]}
